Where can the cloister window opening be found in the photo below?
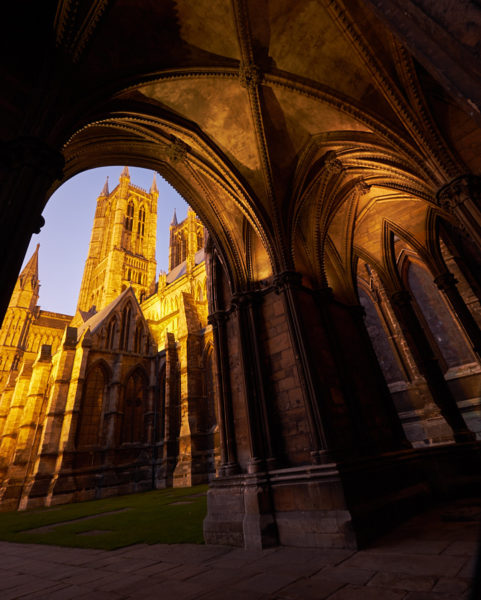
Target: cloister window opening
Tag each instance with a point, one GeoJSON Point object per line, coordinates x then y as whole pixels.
{"type": "Point", "coordinates": [125, 318]}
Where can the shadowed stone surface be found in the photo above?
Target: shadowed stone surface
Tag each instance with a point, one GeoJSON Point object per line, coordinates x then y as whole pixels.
{"type": "Point", "coordinates": [430, 561]}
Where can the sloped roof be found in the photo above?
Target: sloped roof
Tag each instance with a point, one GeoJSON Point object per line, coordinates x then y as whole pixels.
{"type": "Point", "coordinates": [94, 322]}
{"type": "Point", "coordinates": [181, 269]}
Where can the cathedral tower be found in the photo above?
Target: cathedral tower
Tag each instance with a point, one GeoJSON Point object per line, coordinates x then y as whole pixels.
{"type": "Point", "coordinates": [186, 239]}
{"type": "Point", "coordinates": [122, 245]}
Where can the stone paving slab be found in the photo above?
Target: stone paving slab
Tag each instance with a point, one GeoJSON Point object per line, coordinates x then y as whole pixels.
{"type": "Point", "coordinates": [427, 558]}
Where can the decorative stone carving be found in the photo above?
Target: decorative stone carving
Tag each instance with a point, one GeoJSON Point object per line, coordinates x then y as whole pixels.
{"type": "Point", "coordinates": [361, 187]}
{"type": "Point", "coordinates": [331, 163]}
{"type": "Point", "coordinates": [177, 151]}
{"type": "Point", "coordinates": [250, 76]}
{"type": "Point", "coordinates": [458, 191]}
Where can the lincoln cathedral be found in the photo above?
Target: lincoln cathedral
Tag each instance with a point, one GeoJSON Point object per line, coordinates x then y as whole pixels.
{"type": "Point", "coordinates": [315, 356]}
{"type": "Point", "coordinates": [120, 397]}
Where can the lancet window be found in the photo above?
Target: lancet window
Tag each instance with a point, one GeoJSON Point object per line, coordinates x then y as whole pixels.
{"type": "Point", "coordinates": [141, 223]}
{"type": "Point", "coordinates": [130, 216]}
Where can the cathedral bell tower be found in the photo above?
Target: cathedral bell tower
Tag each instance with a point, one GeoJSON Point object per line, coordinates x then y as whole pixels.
{"type": "Point", "coordinates": [122, 245]}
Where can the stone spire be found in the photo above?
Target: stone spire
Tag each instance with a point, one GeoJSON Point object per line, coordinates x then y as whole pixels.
{"type": "Point", "coordinates": [153, 187]}
{"type": "Point", "coordinates": [105, 191]}
{"type": "Point", "coordinates": [174, 222]}
{"type": "Point", "coordinates": [125, 172]}
{"type": "Point", "coordinates": [25, 293]}
{"type": "Point", "coordinates": [30, 271]}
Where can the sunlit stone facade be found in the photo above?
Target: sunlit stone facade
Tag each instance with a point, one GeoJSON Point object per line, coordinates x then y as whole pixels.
{"type": "Point", "coordinates": [120, 397]}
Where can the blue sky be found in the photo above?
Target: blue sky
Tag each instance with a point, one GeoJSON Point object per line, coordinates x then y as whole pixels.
{"type": "Point", "coordinates": [64, 239]}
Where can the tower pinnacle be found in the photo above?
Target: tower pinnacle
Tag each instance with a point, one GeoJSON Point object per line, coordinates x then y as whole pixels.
{"type": "Point", "coordinates": [125, 172]}
{"type": "Point", "coordinates": [174, 222]}
{"type": "Point", "coordinates": [153, 187]}
{"type": "Point", "coordinates": [105, 190]}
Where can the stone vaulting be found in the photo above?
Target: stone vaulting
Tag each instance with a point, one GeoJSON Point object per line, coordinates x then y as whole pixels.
{"type": "Point", "coordinates": [332, 150]}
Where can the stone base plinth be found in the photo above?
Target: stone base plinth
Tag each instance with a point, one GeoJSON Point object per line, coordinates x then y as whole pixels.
{"type": "Point", "coordinates": [337, 505]}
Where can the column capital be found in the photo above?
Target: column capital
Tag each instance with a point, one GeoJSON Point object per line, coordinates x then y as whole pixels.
{"type": "Point", "coordinates": [445, 281]}
{"type": "Point", "coordinates": [457, 191]}
{"type": "Point", "coordinates": [219, 316]}
{"type": "Point", "coordinates": [287, 279]}
{"type": "Point", "coordinates": [246, 298]}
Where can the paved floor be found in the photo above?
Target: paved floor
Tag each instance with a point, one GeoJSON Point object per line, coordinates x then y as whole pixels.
{"type": "Point", "coordinates": [430, 557]}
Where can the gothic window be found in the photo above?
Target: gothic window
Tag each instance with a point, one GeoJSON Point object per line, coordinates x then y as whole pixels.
{"type": "Point", "coordinates": [129, 219]}
{"type": "Point", "coordinates": [135, 401]}
{"type": "Point", "coordinates": [88, 429]}
{"type": "Point", "coordinates": [111, 330]}
{"type": "Point", "coordinates": [139, 334]}
{"type": "Point", "coordinates": [380, 341]}
{"type": "Point", "coordinates": [141, 223]}
{"type": "Point", "coordinates": [125, 328]}
{"type": "Point", "coordinates": [433, 311]}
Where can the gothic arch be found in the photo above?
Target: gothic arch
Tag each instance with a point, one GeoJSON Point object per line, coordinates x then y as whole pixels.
{"type": "Point", "coordinates": [92, 405]}
{"type": "Point", "coordinates": [134, 406]}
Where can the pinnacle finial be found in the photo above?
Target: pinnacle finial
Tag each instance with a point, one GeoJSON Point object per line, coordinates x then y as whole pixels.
{"type": "Point", "coordinates": [174, 222]}
{"type": "Point", "coordinates": [105, 190]}
{"type": "Point", "coordinates": [125, 172]}
{"type": "Point", "coordinates": [153, 187]}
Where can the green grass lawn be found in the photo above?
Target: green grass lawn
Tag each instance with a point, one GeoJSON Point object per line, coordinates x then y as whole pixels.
{"type": "Point", "coordinates": [169, 516]}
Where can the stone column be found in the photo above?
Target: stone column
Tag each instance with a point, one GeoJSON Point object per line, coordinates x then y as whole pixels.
{"type": "Point", "coordinates": [257, 411]}
{"type": "Point", "coordinates": [28, 168]}
{"type": "Point", "coordinates": [381, 398]}
{"type": "Point", "coordinates": [429, 366]}
{"type": "Point", "coordinates": [315, 395]}
{"type": "Point", "coordinates": [446, 282]}
{"type": "Point", "coordinates": [462, 198]}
